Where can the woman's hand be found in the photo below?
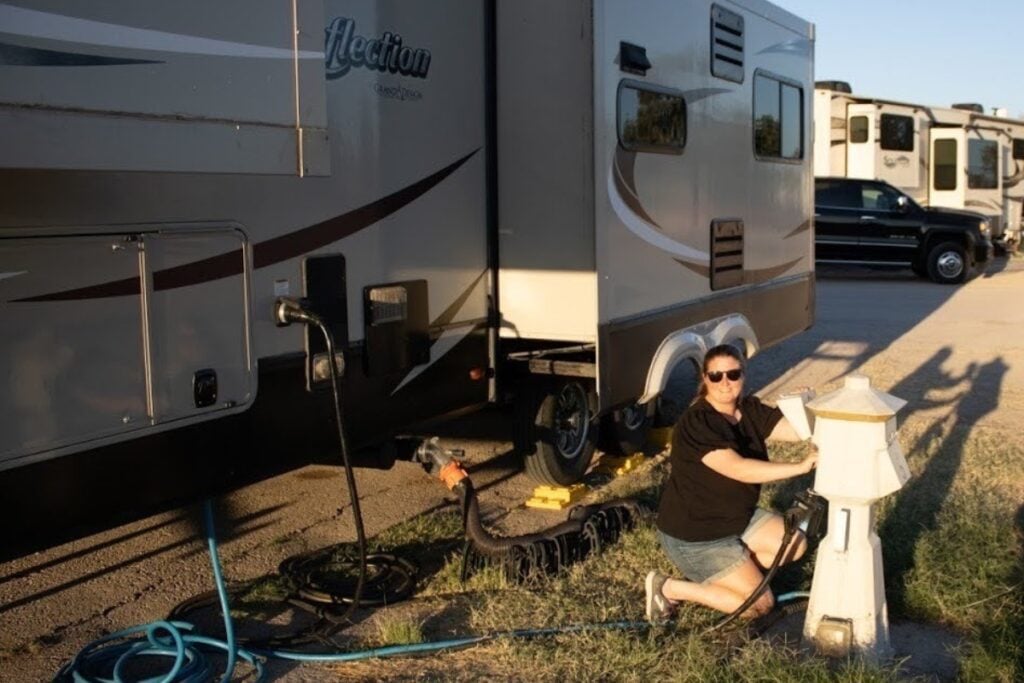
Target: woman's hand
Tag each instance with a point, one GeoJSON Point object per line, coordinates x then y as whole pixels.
{"type": "Point", "coordinates": [811, 461]}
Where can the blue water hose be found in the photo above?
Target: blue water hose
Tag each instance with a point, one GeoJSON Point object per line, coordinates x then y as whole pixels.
{"type": "Point", "coordinates": [176, 640]}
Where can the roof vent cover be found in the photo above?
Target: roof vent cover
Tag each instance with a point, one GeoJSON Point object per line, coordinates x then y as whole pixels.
{"type": "Point", "coordinates": [726, 44]}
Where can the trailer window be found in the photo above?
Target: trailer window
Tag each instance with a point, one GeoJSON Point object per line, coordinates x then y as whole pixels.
{"type": "Point", "coordinates": [944, 154]}
{"type": "Point", "coordinates": [858, 129]}
{"type": "Point", "coordinates": [897, 133]}
{"type": "Point", "coordinates": [1018, 148]}
{"type": "Point", "coordinates": [982, 164]}
{"type": "Point", "coordinates": [651, 120]}
{"type": "Point", "coordinates": [778, 119]}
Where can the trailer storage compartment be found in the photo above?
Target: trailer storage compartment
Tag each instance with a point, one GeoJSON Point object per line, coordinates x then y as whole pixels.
{"type": "Point", "coordinates": [242, 92]}
{"type": "Point", "coordinates": [136, 335]}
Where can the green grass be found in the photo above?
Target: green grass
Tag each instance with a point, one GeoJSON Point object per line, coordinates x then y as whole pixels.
{"type": "Point", "coordinates": [952, 542]}
{"type": "Point", "coordinates": [396, 630]}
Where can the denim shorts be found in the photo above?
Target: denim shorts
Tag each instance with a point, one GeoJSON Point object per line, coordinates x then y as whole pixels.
{"type": "Point", "coordinates": [707, 561]}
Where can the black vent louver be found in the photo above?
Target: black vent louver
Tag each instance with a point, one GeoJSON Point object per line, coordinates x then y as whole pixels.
{"type": "Point", "coordinates": [726, 253]}
{"type": "Point", "coordinates": [726, 44]}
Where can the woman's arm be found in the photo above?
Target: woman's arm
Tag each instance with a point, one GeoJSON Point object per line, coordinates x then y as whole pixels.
{"type": "Point", "coordinates": [729, 463]}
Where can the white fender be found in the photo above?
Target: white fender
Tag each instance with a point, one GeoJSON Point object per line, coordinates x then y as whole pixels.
{"type": "Point", "coordinates": [736, 330]}
{"type": "Point", "coordinates": [692, 343]}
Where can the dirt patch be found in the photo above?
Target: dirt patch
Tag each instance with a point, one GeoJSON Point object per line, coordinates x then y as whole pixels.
{"type": "Point", "coordinates": [926, 652]}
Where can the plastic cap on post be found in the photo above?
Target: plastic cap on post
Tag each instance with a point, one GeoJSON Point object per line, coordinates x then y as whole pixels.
{"type": "Point", "coordinates": [857, 400]}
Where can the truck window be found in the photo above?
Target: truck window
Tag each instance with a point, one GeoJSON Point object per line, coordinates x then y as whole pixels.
{"type": "Point", "coordinates": [1018, 148]}
{"type": "Point", "coordinates": [982, 164]}
{"type": "Point", "coordinates": [651, 119]}
{"type": "Point", "coordinates": [858, 129]}
{"type": "Point", "coordinates": [875, 198]}
{"type": "Point", "coordinates": [840, 194]}
{"type": "Point", "coordinates": [778, 119]}
{"type": "Point", "coordinates": [944, 154]}
{"type": "Point", "coordinates": [897, 133]}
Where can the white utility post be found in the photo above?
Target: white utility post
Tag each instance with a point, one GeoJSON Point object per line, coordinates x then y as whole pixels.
{"type": "Point", "coordinates": [859, 462]}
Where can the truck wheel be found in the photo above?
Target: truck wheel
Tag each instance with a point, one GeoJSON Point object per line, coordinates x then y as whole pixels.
{"type": "Point", "coordinates": [624, 431]}
{"type": "Point", "coordinates": [563, 435]}
{"type": "Point", "coordinates": [947, 263]}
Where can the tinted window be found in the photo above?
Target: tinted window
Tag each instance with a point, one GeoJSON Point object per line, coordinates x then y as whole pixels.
{"type": "Point", "coordinates": [858, 129]}
{"type": "Point", "coordinates": [944, 162]}
{"type": "Point", "coordinates": [982, 164]}
{"type": "Point", "coordinates": [837, 193]}
{"type": "Point", "coordinates": [650, 120]}
{"type": "Point", "coordinates": [778, 119]}
{"type": "Point", "coordinates": [767, 117]}
{"type": "Point", "coordinates": [1018, 148]}
{"type": "Point", "coordinates": [897, 132]}
{"type": "Point", "coordinates": [792, 122]}
{"type": "Point", "coordinates": [879, 198]}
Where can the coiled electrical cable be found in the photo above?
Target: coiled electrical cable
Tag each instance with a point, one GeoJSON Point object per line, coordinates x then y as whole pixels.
{"type": "Point", "coordinates": [111, 659]}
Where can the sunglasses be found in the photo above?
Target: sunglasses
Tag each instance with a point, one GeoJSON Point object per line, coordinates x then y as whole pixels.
{"type": "Point", "coordinates": [716, 376]}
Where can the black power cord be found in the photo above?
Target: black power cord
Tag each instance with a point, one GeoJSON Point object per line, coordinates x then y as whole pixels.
{"type": "Point", "coordinates": [286, 312]}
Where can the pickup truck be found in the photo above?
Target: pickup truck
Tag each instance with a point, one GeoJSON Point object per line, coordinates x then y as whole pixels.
{"type": "Point", "coordinates": [871, 222]}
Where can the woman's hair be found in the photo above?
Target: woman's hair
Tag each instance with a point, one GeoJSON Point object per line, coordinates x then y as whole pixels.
{"type": "Point", "coordinates": [716, 352]}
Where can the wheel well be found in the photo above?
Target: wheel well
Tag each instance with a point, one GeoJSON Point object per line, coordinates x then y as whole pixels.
{"type": "Point", "coordinates": [934, 240]}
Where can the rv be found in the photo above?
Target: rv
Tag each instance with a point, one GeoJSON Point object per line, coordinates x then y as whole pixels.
{"type": "Point", "coordinates": [954, 157]}
{"type": "Point", "coordinates": [859, 137]}
{"type": "Point", "coordinates": [976, 165]}
{"type": "Point", "coordinates": [548, 204]}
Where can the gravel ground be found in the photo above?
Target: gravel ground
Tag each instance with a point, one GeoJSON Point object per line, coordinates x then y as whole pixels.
{"type": "Point", "coordinates": [955, 353]}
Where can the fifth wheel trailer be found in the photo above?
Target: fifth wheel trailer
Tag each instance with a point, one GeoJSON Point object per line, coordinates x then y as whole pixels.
{"type": "Point", "coordinates": [552, 204]}
{"type": "Point", "coordinates": [954, 157]}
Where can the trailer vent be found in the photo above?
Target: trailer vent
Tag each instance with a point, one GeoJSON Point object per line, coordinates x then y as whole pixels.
{"type": "Point", "coordinates": [970, 106]}
{"type": "Point", "coordinates": [388, 305]}
{"type": "Point", "coordinates": [726, 253]}
{"type": "Point", "coordinates": [396, 327]}
{"type": "Point", "coordinates": [726, 44]}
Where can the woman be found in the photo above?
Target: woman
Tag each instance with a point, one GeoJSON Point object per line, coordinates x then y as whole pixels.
{"type": "Point", "coordinates": [708, 520]}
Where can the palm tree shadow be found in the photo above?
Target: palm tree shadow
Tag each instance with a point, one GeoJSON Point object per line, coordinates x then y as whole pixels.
{"type": "Point", "coordinates": [915, 509]}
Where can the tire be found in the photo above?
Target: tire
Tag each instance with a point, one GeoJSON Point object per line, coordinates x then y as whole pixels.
{"type": "Point", "coordinates": [563, 434]}
{"type": "Point", "coordinates": [948, 264]}
{"type": "Point", "coordinates": [624, 431]}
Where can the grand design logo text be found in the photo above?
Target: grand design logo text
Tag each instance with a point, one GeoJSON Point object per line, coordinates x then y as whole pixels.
{"type": "Point", "coordinates": [344, 49]}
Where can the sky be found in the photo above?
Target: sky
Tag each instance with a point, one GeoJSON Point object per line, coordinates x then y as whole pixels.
{"type": "Point", "coordinates": [935, 52]}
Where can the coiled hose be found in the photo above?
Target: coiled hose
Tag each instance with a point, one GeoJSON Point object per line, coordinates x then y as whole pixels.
{"type": "Point", "coordinates": [111, 659]}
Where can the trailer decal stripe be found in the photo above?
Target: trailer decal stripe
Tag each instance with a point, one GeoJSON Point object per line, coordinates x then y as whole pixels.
{"type": "Point", "coordinates": [449, 313]}
{"type": "Point", "coordinates": [625, 162]}
{"type": "Point", "coordinates": [301, 241]}
{"type": "Point", "coordinates": [31, 23]}
{"type": "Point", "coordinates": [800, 47]}
{"type": "Point", "coordinates": [803, 227]}
{"type": "Point", "coordinates": [268, 252]}
{"type": "Point", "coordinates": [18, 55]}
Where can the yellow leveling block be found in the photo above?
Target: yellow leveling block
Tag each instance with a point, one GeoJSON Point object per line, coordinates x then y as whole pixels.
{"type": "Point", "coordinates": [556, 497]}
{"type": "Point", "coordinates": [617, 467]}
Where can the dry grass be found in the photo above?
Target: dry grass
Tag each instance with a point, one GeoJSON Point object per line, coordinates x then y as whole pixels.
{"type": "Point", "coordinates": [952, 540]}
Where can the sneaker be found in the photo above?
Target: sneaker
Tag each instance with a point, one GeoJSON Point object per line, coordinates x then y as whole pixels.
{"type": "Point", "coordinates": [657, 607]}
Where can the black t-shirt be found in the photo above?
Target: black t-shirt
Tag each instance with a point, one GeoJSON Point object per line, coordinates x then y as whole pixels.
{"type": "Point", "coordinates": [697, 503]}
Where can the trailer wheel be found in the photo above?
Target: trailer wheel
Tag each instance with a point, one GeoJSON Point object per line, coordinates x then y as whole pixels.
{"type": "Point", "coordinates": [563, 435]}
{"type": "Point", "coordinates": [624, 431]}
{"type": "Point", "coordinates": [947, 263]}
